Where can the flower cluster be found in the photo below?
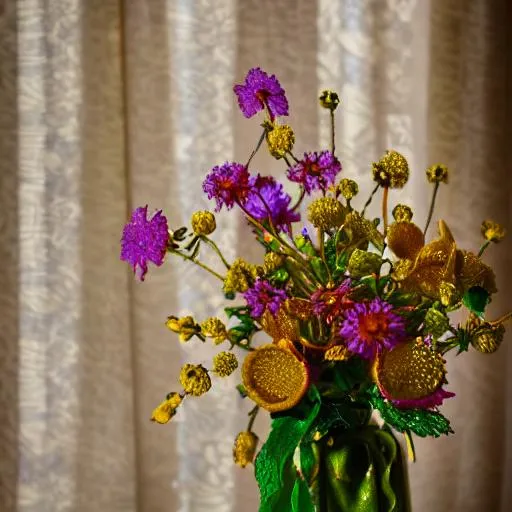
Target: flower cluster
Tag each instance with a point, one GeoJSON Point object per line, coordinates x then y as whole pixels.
{"type": "Point", "coordinates": [350, 328]}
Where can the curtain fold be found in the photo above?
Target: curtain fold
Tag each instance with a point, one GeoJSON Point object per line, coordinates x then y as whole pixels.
{"type": "Point", "coordinates": [108, 105]}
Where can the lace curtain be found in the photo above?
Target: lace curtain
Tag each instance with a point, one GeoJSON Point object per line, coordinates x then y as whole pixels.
{"type": "Point", "coordinates": [106, 105]}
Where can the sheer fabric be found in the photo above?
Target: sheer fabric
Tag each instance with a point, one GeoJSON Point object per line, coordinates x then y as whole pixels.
{"type": "Point", "coordinates": [107, 105]}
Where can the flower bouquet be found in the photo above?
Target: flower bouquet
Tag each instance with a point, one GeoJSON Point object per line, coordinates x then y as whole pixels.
{"type": "Point", "coordinates": [356, 309]}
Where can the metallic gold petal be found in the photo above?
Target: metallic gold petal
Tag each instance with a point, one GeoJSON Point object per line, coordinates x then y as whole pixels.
{"type": "Point", "coordinates": [274, 378]}
{"type": "Point", "coordinates": [281, 326]}
{"type": "Point", "coordinates": [405, 239]}
{"type": "Point", "coordinates": [472, 271]}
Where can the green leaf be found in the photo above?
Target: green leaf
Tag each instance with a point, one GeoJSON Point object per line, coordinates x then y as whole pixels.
{"type": "Point", "coordinates": [241, 389]}
{"type": "Point", "coordinates": [279, 276]}
{"type": "Point", "coordinates": [422, 422]}
{"type": "Point", "coordinates": [318, 266]}
{"type": "Point", "coordinates": [476, 299]}
{"type": "Point", "coordinates": [274, 463]}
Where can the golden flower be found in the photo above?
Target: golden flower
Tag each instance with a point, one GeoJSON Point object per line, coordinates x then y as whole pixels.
{"type": "Point", "coordinates": [436, 323]}
{"type": "Point", "coordinates": [402, 213]}
{"type": "Point", "coordinates": [363, 263]}
{"type": "Point", "coordinates": [203, 223]}
{"type": "Point", "coordinates": [492, 231]}
{"type": "Point", "coordinates": [274, 378]}
{"type": "Point", "coordinates": [244, 448]}
{"type": "Point", "coordinates": [167, 409]}
{"type": "Point", "coordinates": [280, 140]}
{"type": "Point", "coordinates": [240, 276]}
{"type": "Point", "coordinates": [348, 188]}
{"type": "Point", "coordinates": [326, 213]}
{"type": "Point", "coordinates": [337, 353]}
{"type": "Point", "coordinates": [437, 173]}
{"type": "Point", "coordinates": [272, 262]}
{"type": "Point", "coordinates": [360, 230]}
{"type": "Point", "coordinates": [280, 326]}
{"type": "Point", "coordinates": [488, 338]}
{"type": "Point", "coordinates": [329, 99]}
{"type": "Point", "coordinates": [224, 364]}
{"type": "Point", "coordinates": [405, 239]}
{"type": "Point", "coordinates": [186, 327]}
{"type": "Point", "coordinates": [195, 379]}
{"type": "Point", "coordinates": [214, 328]}
{"type": "Point", "coordinates": [392, 170]}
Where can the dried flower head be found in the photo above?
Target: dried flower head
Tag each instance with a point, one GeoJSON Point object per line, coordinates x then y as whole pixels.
{"type": "Point", "coordinates": [244, 448]}
{"type": "Point", "coordinates": [167, 409]}
{"type": "Point", "coordinates": [261, 91]}
{"type": "Point", "coordinates": [280, 140]}
{"type": "Point", "coordinates": [144, 240]}
{"type": "Point", "coordinates": [437, 173]}
{"type": "Point", "coordinates": [492, 231]}
{"type": "Point", "coordinates": [203, 223]}
{"type": "Point", "coordinates": [185, 326]}
{"type": "Point", "coordinates": [487, 338]}
{"type": "Point", "coordinates": [224, 364]}
{"type": "Point", "coordinates": [348, 188]}
{"type": "Point", "coordinates": [329, 99]}
{"type": "Point", "coordinates": [392, 170]}
{"type": "Point", "coordinates": [240, 276]}
{"type": "Point", "coordinates": [326, 213]}
{"type": "Point", "coordinates": [214, 328]}
{"type": "Point", "coordinates": [402, 213]}
{"type": "Point", "coordinates": [195, 379]}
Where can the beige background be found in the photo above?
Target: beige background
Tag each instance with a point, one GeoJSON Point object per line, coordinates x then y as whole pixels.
{"type": "Point", "coordinates": [106, 105]}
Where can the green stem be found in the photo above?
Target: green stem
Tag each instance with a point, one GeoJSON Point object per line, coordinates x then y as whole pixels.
{"type": "Point", "coordinates": [215, 247]}
{"type": "Point", "coordinates": [255, 150]}
{"type": "Point", "coordinates": [385, 209]}
{"type": "Point", "coordinates": [200, 264]}
{"type": "Point", "coordinates": [321, 245]}
{"type": "Point", "coordinates": [252, 417]}
{"type": "Point", "coordinates": [431, 210]}
{"type": "Point", "coordinates": [333, 135]}
{"type": "Point", "coordinates": [374, 191]}
{"type": "Point", "coordinates": [483, 248]}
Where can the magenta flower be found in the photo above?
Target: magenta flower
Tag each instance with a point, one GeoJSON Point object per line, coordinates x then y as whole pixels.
{"type": "Point", "coordinates": [331, 303]}
{"type": "Point", "coordinates": [369, 326]}
{"type": "Point", "coordinates": [426, 402]}
{"type": "Point", "coordinates": [316, 171]}
{"type": "Point", "coordinates": [262, 297]}
{"type": "Point", "coordinates": [268, 199]}
{"type": "Point", "coordinates": [260, 91]}
{"type": "Point", "coordinates": [227, 184]}
{"type": "Point", "coordinates": [144, 240]}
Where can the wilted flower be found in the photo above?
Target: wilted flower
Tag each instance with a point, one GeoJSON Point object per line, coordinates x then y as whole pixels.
{"type": "Point", "coordinates": [186, 327]}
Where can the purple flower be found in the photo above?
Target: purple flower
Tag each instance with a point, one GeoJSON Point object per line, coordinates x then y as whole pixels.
{"type": "Point", "coordinates": [260, 91]}
{"type": "Point", "coordinates": [267, 198]}
{"type": "Point", "coordinates": [262, 297]}
{"type": "Point", "coordinates": [228, 184]}
{"type": "Point", "coordinates": [426, 402]}
{"type": "Point", "coordinates": [315, 171]}
{"type": "Point", "coordinates": [144, 240]}
{"type": "Point", "coordinates": [368, 326]}
{"type": "Point", "coordinates": [331, 303]}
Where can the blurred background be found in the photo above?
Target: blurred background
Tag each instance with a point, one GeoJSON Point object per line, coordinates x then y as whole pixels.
{"type": "Point", "coordinates": [106, 105]}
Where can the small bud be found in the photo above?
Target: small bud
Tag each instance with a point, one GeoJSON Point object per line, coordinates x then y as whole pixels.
{"type": "Point", "coordinates": [195, 379]}
{"type": "Point", "coordinates": [280, 140]}
{"type": "Point", "coordinates": [492, 231]}
{"type": "Point", "coordinates": [437, 173]}
{"type": "Point", "coordinates": [244, 448]}
{"type": "Point", "coordinates": [488, 338]}
{"type": "Point", "coordinates": [326, 213]}
{"type": "Point", "coordinates": [203, 223]}
{"type": "Point", "coordinates": [392, 170]}
{"type": "Point", "coordinates": [348, 188]}
{"type": "Point", "coordinates": [186, 327]}
{"type": "Point", "coordinates": [402, 213]}
{"type": "Point", "coordinates": [214, 328]}
{"type": "Point", "coordinates": [224, 364]}
{"type": "Point", "coordinates": [167, 409]}
{"type": "Point", "coordinates": [329, 99]}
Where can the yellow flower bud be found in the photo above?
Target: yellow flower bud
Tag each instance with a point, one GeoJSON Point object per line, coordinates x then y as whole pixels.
{"type": "Point", "coordinates": [329, 99]}
{"type": "Point", "coordinates": [203, 223]}
{"type": "Point", "coordinates": [240, 276]}
{"type": "Point", "coordinates": [492, 231]}
{"type": "Point", "coordinates": [402, 213]}
{"type": "Point", "coordinates": [224, 364]}
{"type": "Point", "coordinates": [214, 328]}
{"type": "Point", "coordinates": [167, 409]}
{"type": "Point", "coordinates": [363, 263]}
{"type": "Point", "coordinates": [195, 379]}
{"type": "Point", "coordinates": [186, 327]}
{"type": "Point", "coordinates": [437, 173]}
{"type": "Point", "coordinates": [326, 213]}
{"type": "Point", "coordinates": [280, 140]}
{"type": "Point", "coordinates": [348, 188]}
{"type": "Point", "coordinates": [392, 170]}
{"type": "Point", "coordinates": [244, 448]}
{"type": "Point", "coordinates": [488, 338]}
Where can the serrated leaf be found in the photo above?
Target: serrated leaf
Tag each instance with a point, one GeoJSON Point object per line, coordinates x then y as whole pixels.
{"type": "Point", "coordinates": [476, 299]}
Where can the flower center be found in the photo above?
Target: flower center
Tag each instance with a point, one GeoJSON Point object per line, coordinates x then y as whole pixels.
{"type": "Point", "coordinates": [262, 95]}
{"type": "Point", "coordinates": [373, 326]}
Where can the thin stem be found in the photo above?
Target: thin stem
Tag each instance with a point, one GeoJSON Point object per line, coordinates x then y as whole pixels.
{"type": "Point", "coordinates": [299, 201]}
{"type": "Point", "coordinates": [374, 191]}
{"type": "Point", "coordinates": [333, 135]}
{"type": "Point", "coordinates": [431, 210]}
{"type": "Point", "coordinates": [255, 150]}
{"type": "Point", "coordinates": [385, 208]}
{"type": "Point", "coordinates": [252, 417]}
{"type": "Point", "coordinates": [200, 264]}
{"type": "Point", "coordinates": [321, 245]}
{"type": "Point", "coordinates": [215, 247]}
{"type": "Point", "coordinates": [483, 248]}
{"type": "Point", "coordinates": [294, 157]}
{"type": "Point", "coordinates": [502, 319]}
